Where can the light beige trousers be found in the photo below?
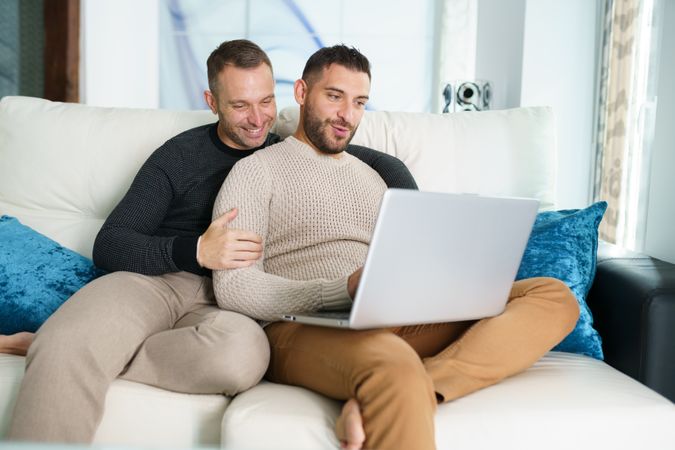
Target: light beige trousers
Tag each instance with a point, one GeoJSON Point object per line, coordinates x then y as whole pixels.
{"type": "Point", "coordinates": [160, 330]}
{"type": "Point", "coordinates": [399, 374]}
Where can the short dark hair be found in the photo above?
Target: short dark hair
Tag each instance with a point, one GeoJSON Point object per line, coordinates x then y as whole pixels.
{"type": "Point", "coordinates": [240, 53]}
{"type": "Point", "coordinates": [348, 57]}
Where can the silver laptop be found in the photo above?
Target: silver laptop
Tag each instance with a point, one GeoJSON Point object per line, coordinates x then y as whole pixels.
{"type": "Point", "coordinates": [436, 257]}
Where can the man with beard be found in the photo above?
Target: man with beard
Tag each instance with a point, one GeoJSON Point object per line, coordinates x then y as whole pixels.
{"type": "Point", "coordinates": [315, 207]}
{"type": "Point", "coordinates": [154, 319]}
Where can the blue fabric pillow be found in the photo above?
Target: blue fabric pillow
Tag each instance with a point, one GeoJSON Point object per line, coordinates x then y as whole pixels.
{"type": "Point", "coordinates": [36, 276]}
{"type": "Point", "coordinates": [564, 245]}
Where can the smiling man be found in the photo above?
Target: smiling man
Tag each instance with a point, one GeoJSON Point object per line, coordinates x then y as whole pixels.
{"type": "Point", "coordinates": [243, 124]}
{"type": "Point", "coordinates": [315, 206]}
{"type": "Point", "coordinates": [153, 319]}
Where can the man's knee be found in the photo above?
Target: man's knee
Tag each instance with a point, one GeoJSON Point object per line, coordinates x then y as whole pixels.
{"type": "Point", "coordinates": [564, 304]}
{"type": "Point", "coordinates": [239, 352]}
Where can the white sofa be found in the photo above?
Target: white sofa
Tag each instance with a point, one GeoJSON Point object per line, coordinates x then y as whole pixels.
{"type": "Point", "coordinates": [63, 167]}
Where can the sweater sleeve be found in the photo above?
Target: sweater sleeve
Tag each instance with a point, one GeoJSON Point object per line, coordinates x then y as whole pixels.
{"type": "Point", "coordinates": [126, 240]}
{"type": "Point", "coordinates": [252, 291]}
{"type": "Point", "coordinates": [391, 169]}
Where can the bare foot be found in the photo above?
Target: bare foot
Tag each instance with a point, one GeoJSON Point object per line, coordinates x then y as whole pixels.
{"type": "Point", "coordinates": [349, 426]}
{"type": "Point", "coordinates": [16, 344]}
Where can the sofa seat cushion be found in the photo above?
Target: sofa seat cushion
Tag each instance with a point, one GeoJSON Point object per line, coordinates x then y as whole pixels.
{"type": "Point", "coordinates": [135, 414]}
{"type": "Point", "coordinates": [564, 401]}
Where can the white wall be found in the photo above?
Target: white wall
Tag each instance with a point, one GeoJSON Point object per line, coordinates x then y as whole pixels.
{"type": "Point", "coordinates": [499, 49]}
{"type": "Point", "coordinates": [559, 69]}
{"type": "Point", "coordinates": [120, 53]}
{"type": "Point", "coordinates": [660, 235]}
{"type": "Point", "coordinates": [544, 52]}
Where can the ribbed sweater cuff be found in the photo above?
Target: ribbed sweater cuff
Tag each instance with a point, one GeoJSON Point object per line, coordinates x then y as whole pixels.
{"type": "Point", "coordinates": [334, 295]}
{"type": "Point", "coordinates": [184, 255]}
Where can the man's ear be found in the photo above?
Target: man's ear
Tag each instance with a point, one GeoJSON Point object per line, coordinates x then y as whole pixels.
{"type": "Point", "coordinates": [210, 100]}
{"type": "Point", "coordinates": [300, 91]}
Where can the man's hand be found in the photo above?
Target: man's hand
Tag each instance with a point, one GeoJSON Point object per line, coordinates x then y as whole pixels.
{"type": "Point", "coordinates": [353, 282]}
{"type": "Point", "coordinates": [221, 247]}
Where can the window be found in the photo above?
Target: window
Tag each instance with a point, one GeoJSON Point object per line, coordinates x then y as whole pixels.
{"type": "Point", "coordinates": [396, 35]}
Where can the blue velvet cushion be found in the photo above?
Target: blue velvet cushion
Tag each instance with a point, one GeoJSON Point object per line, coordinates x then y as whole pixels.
{"type": "Point", "coordinates": [36, 276]}
{"type": "Point", "coordinates": [564, 245]}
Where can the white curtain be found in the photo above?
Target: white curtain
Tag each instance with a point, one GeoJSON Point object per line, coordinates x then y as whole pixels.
{"type": "Point", "coordinates": [626, 117]}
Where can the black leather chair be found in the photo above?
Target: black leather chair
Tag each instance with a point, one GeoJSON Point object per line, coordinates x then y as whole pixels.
{"type": "Point", "coordinates": [633, 304]}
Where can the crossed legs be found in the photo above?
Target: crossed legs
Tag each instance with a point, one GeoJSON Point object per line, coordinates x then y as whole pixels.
{"type": "Point", "coordinates": [396, 376]}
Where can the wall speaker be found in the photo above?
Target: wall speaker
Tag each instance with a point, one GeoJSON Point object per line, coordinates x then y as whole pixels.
{"type": "Point", "coordinates": [463, 95]}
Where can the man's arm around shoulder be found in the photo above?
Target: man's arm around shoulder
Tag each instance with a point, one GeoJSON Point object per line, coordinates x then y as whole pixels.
{"type": "Point", "coordinates": [391, 169]}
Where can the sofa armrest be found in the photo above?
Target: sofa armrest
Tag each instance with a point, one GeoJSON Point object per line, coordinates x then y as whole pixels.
{"type": "Point", "coordinates": [633, 304]}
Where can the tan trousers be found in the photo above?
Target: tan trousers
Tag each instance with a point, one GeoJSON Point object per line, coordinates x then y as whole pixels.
{"type": "Point", "coordinates": [164, 331]}
{"type": "Point", "coordinates": [398, 375]}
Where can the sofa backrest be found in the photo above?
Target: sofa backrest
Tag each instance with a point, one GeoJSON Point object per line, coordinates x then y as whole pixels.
{"type": "Point", "coordinates": [508, 152]}
{"type": "Point", "coordinates": [63, 167]}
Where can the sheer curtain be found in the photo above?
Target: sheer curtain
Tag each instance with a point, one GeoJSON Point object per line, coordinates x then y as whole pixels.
{"type": "Point", "coordinates": [625, 118]}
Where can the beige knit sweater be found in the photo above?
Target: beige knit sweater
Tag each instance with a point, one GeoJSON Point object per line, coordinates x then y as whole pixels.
{"type": "Point", "coordinates": [316, 215]}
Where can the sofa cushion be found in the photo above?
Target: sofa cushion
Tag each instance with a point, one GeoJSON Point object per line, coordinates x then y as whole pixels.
{"type": "Point", "coordinates": [564, 401]}
{"type": "Point", "coordinates": [65, 166]}
{"type": "Point", "coordinates": [135, 415]}
{"type": "Point", "coordinates": [36, 276]}
{"type": "Point", "coordinates": [504, 153]}
{"type": "Point", "coordinates": [564, 245]}
{"type": "Point", "coordinates": [292, 417]}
